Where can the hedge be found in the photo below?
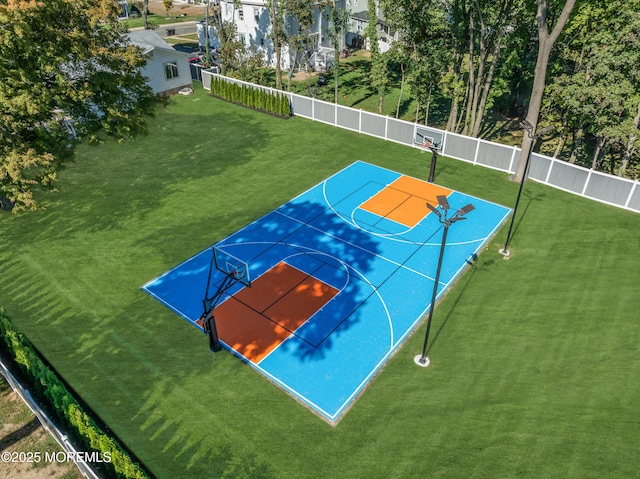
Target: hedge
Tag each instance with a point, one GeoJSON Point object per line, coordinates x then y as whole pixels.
{"type": "Point", "coordinates": [272, 102]}
{"type": "Point", "coordinates": [49, 390]}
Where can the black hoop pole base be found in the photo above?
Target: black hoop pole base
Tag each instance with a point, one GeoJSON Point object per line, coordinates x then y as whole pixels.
{"type": "Point", "coordinates": [214, 342]}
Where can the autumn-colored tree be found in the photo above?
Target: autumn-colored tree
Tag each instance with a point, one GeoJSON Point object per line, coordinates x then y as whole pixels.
{"type": "Point", "coordinates": [66, 74]}
{"type": "Point", "coordinates": [168, 5]}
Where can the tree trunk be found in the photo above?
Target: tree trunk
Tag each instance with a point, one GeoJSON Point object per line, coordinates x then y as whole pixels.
{"type": "Point", "coordinates": [276, 43]}
{"type": "Point", "coordinates": [495, 55]}
{"type": "Point", "coordinates": [479, 77]}
{"type": "Point", "coordinates": [401, 90]}
{"type": "Point", "coordinates": [576, 146]}
{"type": "Point", "coordinates": [627, 155]}
{"type": "Point", "coordinates": [561, 141]}
{"type": "Point", "coordinates": [545, 43]}
{"type": "Point", "coordinates": [628, 152]}
{"type": "Point", "coordinates": [145, 10]}
{"type": "Point", "coordinates": [460, 118]}
{"type": "Point", "coordinates": [596, 154]}
{"type": "Point", "coordinates": [471, 83]}
{"type": "Point", "coordinates": [336, 75]}
{"type": "Point", "coordinates": [453, 112]}
{"type": "Point", "coordinates": [426, 113]}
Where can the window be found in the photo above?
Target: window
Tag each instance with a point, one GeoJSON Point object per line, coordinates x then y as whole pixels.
{"type": "Point", "coordinates": [242, 39]}
{"type": "Point", "coordinates": [229, 9]}
{"type": "Point", "coordinates": [171, 70]}
{"type": "Point", "coordinates": [256, 14]}
{"type": "Point", "coordinates": [241, 13]}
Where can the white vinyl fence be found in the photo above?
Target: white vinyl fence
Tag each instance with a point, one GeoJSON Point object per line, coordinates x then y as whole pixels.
{"type": "Point", "coordinates": [585, 182]}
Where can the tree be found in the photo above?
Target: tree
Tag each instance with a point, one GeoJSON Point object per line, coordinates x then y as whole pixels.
{"type": "Point", "coordinates": [494, 20]}
{"type": "Point", "coordinates": [546, 40]}
{"type": "Point", "coordinates": [277, 34]}
{"type": "Point", "coordinates": [338, 19]}
{"type": "Point", "coordinates": [299, 19]}
{"type": "Point", "coordinates": [594, 91]}
{"type": "Point", "coordinates": [168, 5]}
{"type": "Point", "coordinates": [230, 47]}
{"type": "Point", "coordinates": [425, 40]}
{"type": "Point", "coordinates": [78, 70]}
{"type": "Point", "coordinates": [379, 73]}
{"type": "Point", "coordinates": [145, 13]}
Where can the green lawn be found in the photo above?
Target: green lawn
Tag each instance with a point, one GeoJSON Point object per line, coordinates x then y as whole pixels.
{"type": "Point", "coordinates": [535, 360]}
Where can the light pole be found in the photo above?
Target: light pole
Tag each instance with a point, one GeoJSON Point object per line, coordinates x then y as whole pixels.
{"type": "Point", "coordinates": [528, 127]}
{"type": "Point", "coordinates": [421, 359]}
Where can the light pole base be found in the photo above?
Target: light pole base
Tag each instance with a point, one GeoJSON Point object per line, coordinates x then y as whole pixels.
{"type": "Point", "coordinates": [504, 252]}
{"type": "Point", "coordinates": [420, 363]}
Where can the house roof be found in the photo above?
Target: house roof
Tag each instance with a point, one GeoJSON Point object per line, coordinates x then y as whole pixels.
{"type": "Point", "coordinates": [148, 41]}
{"type": "Point", "coordinates": [363, 15]}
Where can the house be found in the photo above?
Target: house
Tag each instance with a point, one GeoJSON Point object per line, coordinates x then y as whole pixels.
{"type": "Point", "coordinates": [253, 22]}
{"type": "Point", "coordinates": [359, 22]}
{"type": "Point", "coordinates": [167, 70]}
{"type": "Point", "coordinates": [124, 9]}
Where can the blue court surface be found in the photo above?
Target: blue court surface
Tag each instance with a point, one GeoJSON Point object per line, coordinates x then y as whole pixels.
{"type": "Point", "coordinates": [340, 276]}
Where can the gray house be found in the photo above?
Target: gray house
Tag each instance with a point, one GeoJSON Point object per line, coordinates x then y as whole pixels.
{"type": "Point", "coordinates": [167, 70]}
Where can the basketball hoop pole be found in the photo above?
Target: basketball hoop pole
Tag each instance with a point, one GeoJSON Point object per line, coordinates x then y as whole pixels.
{"type": "Point", "coordinates": [208, 319]}
{"type": "Point", "coordinates": [432, 167]}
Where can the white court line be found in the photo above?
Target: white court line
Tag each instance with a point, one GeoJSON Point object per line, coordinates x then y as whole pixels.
{"type": "Point", "coordinates": [348, 267]}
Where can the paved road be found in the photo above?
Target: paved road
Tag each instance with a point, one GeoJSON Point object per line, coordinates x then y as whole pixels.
{"type": "Point", "coordinates": [183, 28]}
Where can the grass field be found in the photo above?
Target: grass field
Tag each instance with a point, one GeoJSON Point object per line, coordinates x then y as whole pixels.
{"type": "Point", "coordinates": [535, 360]}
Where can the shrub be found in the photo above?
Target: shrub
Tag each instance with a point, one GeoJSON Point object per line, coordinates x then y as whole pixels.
{"type": "Point", "coordinates": [48, 388]}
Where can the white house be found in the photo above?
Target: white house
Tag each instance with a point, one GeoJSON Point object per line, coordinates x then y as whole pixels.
{"type": "Point", "coordinates": [167, 70]}
{"type": "Point", "coordinates": [358, 23]}
{"type": "Point", "coordinates": [253, 23]}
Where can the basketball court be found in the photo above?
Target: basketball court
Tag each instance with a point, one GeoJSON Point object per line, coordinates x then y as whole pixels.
{"type": "Point", "coordinates": [332, 282]}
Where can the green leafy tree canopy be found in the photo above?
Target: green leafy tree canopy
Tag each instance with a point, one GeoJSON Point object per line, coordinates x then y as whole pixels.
{"type": "Point", "coordinates": [66, 74]}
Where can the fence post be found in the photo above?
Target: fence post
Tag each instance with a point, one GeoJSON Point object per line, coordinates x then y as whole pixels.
{"type": "Point", "coordinates": [586, 183]}
{"type": "Point", "coordinates": [475, 156]}
{"type": "Point", "coordinates": [546, 180]}
{"type": "Point", "coordinates": [633, 189]}
{"type": "Point", "coordinates": [513, 157]}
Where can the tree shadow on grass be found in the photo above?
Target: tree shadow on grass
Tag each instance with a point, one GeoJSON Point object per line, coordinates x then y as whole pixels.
{"type": "Point", "coordinates": [199, 451]}
{"type": "Point", "coordinates": [310, 238]}
{"type": "Point", "coordinates": [15, 436]}
{"type": "Point", "coordinates": [113, 184]}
